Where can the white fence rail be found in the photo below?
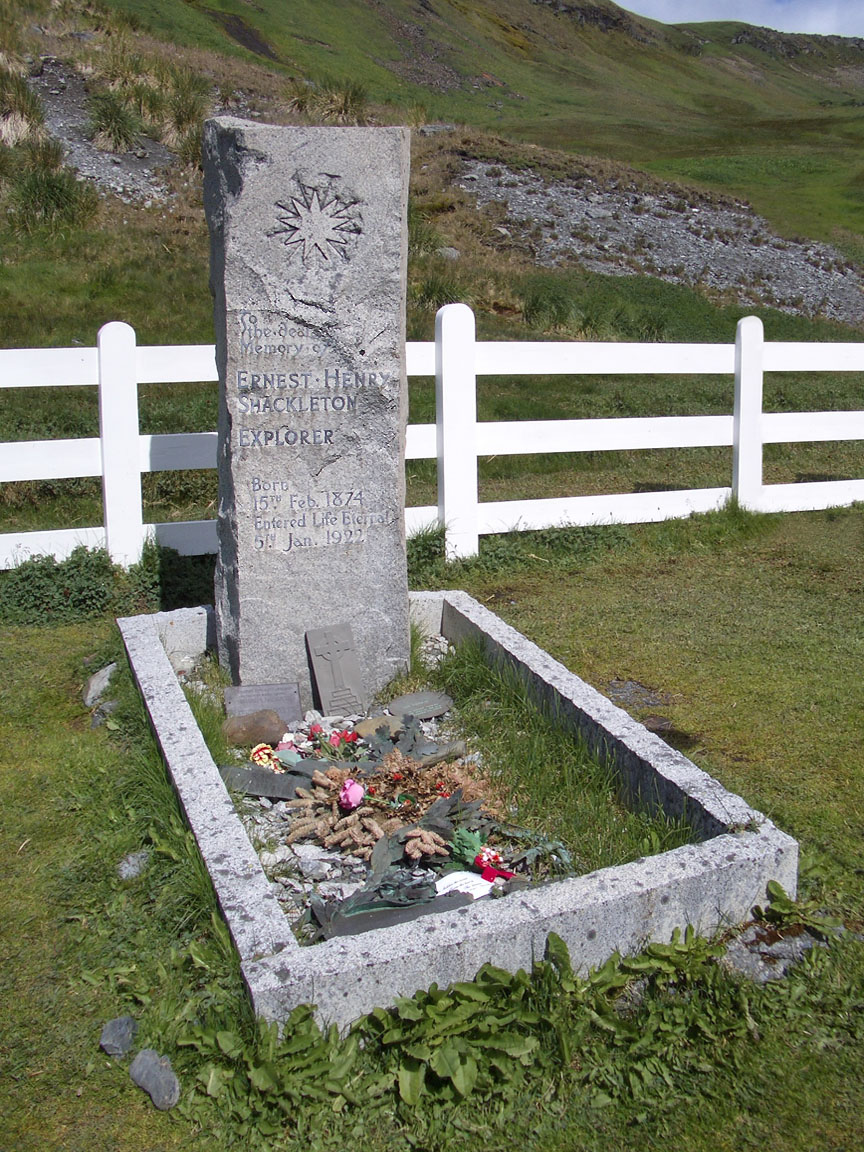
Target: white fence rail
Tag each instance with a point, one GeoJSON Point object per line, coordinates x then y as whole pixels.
{"type": "Point", "coordinates": [121, 454]}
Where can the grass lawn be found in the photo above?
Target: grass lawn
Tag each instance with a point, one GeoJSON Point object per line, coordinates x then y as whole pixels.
{"type": "Point", "coordinates": [750, 630]}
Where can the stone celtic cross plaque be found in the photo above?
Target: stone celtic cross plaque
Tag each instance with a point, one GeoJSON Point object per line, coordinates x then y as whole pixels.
{"type": "Point", "coordinates": [308, 255]}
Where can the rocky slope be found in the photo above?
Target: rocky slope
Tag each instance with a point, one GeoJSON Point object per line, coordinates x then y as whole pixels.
{"type": "Point", "coordinates": [616, 228]}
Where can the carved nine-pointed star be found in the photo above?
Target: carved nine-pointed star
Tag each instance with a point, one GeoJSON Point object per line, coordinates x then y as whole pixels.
{"type": "Point", "coordinates": [321, 226]}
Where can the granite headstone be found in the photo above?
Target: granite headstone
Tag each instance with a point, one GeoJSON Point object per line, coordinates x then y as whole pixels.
{"type": "Point", "coordinates": [308, 257]}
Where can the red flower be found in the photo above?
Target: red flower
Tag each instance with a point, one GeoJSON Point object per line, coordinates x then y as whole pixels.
{"type": "Point", "coordinates": [397, 776]}
{"type": "Point", "coordinates": [315, 729]}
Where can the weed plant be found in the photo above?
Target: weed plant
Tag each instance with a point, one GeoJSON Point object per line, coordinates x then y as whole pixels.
{"type": "Point", "coordinates": [16, 99]}
{"type": "Point", "coordinates": [329, 100]}
{"type": "Point", "coordinates": [87, 585]}
{"type": "Point", "coordinates": [41, 194]}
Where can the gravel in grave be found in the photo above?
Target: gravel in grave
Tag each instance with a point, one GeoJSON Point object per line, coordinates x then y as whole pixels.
{"type": "Point", "coordinates": [301, 871]}
{"type": "Point", "coordinates": [673, 234]}
{"type": "Point", "coordinates": [298, 872]}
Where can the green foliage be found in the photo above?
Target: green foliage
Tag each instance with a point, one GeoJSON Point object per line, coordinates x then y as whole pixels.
{"type": "Point", "coordinates": [43, 590]}
{"type": "Point", "coordinates": [542, 550]}
{"type": "Point", "coordinates": [252, 1088]}
{"type": "Point", "coordinates": [547, 304]}
{"type": "Point", "coordinates": [43, 153]}
{"type": "Point", "coordinates": [423, 237]}
{"type": "Point", "coordinates": [425, 556]}
{"type": "Point", "coordinates": [330, 100]}
{"type": "Point", "coordinates": [784, 911]}
{"type": "Point", "coordinates": [188, 101]}
{"type": "Point", "coordinates": [16, 99]}
{"type": "Point", "coordinates": [438, 287]}
{"type": "Point", "coordinates": [647, 1047]}
{"type": "Point", "coordinates": [342, 102]}
{"type": "Point", "coordinates": [549, 781]}
{"type": "Point", "coordinates": [190, 149]}
{"type": "Point", "coordinates": [465, 846]}
{"type": "Point", "coordinates": [470, 1039]}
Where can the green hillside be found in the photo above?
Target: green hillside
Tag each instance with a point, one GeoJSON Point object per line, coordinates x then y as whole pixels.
{"type": "Point", "coordinates": [778, 118]}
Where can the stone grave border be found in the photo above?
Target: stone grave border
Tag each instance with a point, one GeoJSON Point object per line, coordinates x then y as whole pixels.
{"type": "Point", "coordinates": [709, 884]}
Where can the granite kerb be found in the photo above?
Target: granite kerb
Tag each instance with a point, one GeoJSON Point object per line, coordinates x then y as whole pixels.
{"type": "Point", "coordinates": [708, 884]}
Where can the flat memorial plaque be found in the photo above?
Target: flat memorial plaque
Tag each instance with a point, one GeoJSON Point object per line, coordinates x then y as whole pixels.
{"type": "Point", "coordinates": [421, 705]}
{"type": "Point", "coordinates": [335, 670]}
{"type": "Point", "coordinates": [281, 698]}
{"type": "Point", "coordinates": [263, 782]}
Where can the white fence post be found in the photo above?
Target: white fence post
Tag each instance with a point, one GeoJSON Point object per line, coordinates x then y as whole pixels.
{"type": "Point", "coordinates": [456, 428]}
{"type": "Point", "coordinates": [747, 415]}
{"type": "Point", "coordinates": [118, 430]}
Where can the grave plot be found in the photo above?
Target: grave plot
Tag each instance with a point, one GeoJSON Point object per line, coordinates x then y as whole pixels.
{"type": "Point", "coordinates": [308, 251]}
{"type": "Point", "coordinates": [709, 884]}
{"type": "Point", "coordinates": [362, 823]}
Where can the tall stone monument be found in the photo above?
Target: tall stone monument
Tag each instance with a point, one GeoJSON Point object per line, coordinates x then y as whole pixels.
{"type": "Point", "coordinates": [308, 257]}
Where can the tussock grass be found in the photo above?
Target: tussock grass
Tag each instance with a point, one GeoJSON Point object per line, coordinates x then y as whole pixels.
{"type": "Point", "coordinates": [114, 125]}
{"type": "Point", "coordinates": [44, 198]}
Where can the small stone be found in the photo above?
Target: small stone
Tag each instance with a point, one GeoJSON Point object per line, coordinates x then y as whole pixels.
{"type": "Point", "coordinates": [264, 727]}
{"type": "Point", "coordinates": [448, 253]}
{"type": "Point", "coordinates": [309, 852]}
{"type": "Point", "coordinates": [315, 869]}
{"type": "Point", "coordinates": [101, 713]}
{"type": "Point", "coordinates": [131, 866]}
{"type": "Point", "coordinates": [762, 955]}
{"type": "Point", "coordinates": [118, 1035]}
{"type": "Point", "coordinates": [339, 891]}
{"type": "Point", "coordinates": [97, 685]}
{"type": "Point", "coordinates": [155, 1075]}
{"type": "Point", "coordinates": [394, 725]}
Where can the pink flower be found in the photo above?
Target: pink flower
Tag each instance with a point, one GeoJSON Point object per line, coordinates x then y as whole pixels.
{"type": "Point", "coordinates": [488, 857]}
{"type": "Point", "coordinates": [286, 746]}
{"type": "Point", "coordinates": [335, 739]}
{"type": "Point", "coordinates": [351, 794]}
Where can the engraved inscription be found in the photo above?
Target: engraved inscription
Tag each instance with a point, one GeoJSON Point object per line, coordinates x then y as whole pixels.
{"type": "Point", "coordinates": [276, 338]}
{"type": "Point", "coordinates": [285, 520]}
{"type": "Point", "coordinates": [318, 225]}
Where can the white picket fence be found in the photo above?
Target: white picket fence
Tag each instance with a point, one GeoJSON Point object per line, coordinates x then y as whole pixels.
{"type": "Point", "coordinates": [121, 454]}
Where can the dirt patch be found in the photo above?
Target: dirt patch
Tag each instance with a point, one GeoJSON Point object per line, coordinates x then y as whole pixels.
{"type": "Point", "coordinates": [242, 33]}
